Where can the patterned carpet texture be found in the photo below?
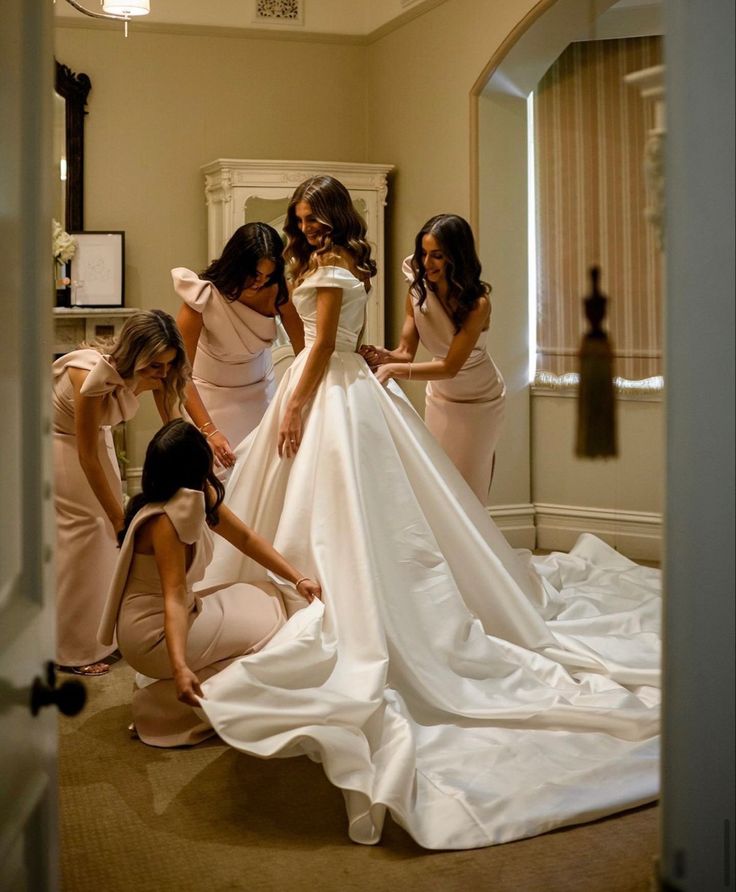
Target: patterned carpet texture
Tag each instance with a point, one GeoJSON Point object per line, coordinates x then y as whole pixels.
{"type": "Point", "coordinates": [208, 819]}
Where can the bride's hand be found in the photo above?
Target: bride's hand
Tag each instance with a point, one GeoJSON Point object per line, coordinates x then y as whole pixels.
{"type": "Point", "coordinates": [290, 432]}
{"type": "Point", "coordinates": [309, 589]}
{"type": "Point", "coordinates": [187, 686]}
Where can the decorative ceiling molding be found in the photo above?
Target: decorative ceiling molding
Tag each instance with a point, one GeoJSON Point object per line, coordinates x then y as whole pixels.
{"type": "Point", "coordinates": [328, 21]}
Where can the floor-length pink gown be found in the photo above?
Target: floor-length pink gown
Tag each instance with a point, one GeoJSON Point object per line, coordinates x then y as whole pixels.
{"type": "Point", "coordinates": [232, 367]}
{"type": "Point", "coordinates": [464, 413]}
{"type": "Point", "coordinates": [86, 548]}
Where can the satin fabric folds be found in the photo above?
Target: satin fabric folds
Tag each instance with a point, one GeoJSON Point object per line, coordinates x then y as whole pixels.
{"type": "Point", "coordinates": [477, 695]}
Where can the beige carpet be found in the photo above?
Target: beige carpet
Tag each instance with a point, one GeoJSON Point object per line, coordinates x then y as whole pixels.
{"type": "Point", "coordinates": [209, 819]}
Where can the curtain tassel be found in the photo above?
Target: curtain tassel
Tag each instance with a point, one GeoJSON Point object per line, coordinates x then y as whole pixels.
{"type": "Point", "coordinates": [596, 434]}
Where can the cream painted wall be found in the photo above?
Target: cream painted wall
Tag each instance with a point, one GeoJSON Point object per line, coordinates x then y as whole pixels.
{"type": "Point", "coordinates": [422, 76]}
{"type": "Point", "coordinates": [162, 105]}
{"type": "Point", "coordinates": [419, 117]}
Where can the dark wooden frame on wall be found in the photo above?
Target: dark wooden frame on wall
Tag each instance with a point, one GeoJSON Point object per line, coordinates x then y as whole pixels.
{"type": "Point", "coordinates": [74, 89]}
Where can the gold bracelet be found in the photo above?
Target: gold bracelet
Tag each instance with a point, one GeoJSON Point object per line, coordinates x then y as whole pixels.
{"type": "Point", "coordinates": [206, 425]}
{"type": "Point", "coordinates": [215, 431]}
{"type": "Point", "coordinates": [299, 581]}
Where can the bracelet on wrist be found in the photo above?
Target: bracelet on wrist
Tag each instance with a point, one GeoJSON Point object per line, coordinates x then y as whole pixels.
{"type": "Point", "coordinates": [212, 434]}
{"type": "Point", "coordinates": [204, 427]}
{"type": "Point", "coordinates": [299, 581]}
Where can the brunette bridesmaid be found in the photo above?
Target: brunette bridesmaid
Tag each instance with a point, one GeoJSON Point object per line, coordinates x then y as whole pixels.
{"type": "Point", "coordinates": [448, 310]}
{"type": "Point", "coordinates": [228, 322]}
{"type": "Point", "coordinates": [173, 638]}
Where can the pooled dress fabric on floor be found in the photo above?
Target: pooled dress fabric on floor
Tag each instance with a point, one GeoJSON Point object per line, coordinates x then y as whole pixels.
{"type": "Point", "coordinates": [479, 696]}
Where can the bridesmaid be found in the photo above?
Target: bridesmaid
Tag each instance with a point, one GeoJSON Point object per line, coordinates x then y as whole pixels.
{"type": "Point", "coordinates": [173, 638]}
{"type": "Point", "coordinates": [93, 391]}
{"type": "Point", "coordinates": [448, 310]}
{"type": "Point", "coordinates": [228, 322]}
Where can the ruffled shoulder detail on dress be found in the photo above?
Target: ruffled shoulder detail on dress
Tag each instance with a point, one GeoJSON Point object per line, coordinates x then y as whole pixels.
{"type": "Point", "coordinates": [186, 510]}
{"type": "Point", "coordinates": [406, 269]}
{"type": "Point", "coordinates": [195, 292]}
{"type": "Point", "coordinates": [103, 378]}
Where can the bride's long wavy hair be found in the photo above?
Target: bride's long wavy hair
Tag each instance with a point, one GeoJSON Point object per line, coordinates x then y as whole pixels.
{"type": "Point", "coordinates": [333, 207]}
{"type": "Point", "coordinates": [464, 284]}
{"type": "Point", "coordinates": [178, 457]}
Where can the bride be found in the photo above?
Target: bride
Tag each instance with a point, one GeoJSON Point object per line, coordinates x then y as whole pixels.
{"type": "Point", "coordinates": [477, 695]}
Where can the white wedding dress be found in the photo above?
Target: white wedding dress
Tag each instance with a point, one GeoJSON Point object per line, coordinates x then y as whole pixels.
{"type": "Point", "coordinates": [478, 695]}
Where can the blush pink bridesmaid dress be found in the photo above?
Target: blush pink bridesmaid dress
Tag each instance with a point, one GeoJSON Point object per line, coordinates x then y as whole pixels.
{"type": "Point", "coordinates": [86, 549]}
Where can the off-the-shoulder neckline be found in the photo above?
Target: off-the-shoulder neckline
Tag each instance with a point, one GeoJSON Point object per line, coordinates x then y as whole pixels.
{"type": "Point", "coordinates": [343, 269]}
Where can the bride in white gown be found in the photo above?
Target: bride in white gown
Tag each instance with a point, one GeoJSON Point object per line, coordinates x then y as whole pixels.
{"type": "Point", "coordinates": [477, 695]}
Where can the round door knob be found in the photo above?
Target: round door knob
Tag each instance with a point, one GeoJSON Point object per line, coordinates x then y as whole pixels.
{"type": "Point", "coordinates": [69, 697]}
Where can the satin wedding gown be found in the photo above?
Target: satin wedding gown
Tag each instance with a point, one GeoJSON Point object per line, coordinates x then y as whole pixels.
{"type": "Point", "coordinates": [477, 695]}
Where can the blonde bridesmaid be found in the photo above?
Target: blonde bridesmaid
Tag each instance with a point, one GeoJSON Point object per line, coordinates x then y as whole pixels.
{"type": "Point", "coordinates": [93, 391]}
{"type": "Point", "coordinates": [448, 310]}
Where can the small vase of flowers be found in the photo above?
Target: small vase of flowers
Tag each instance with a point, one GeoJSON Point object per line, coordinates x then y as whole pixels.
{"type": "Point", "coordinates": [63, 248]}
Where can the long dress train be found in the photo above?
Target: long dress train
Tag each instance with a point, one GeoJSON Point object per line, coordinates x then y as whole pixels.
{"type": "Point", "coordinates": [479, 696]}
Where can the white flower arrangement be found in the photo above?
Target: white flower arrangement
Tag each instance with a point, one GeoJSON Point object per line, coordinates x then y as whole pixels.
{"type": "Point", "coordinates": [63, 245]}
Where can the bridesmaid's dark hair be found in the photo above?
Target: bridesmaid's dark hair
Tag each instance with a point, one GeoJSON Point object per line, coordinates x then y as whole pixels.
{"type": "Point", "coordinates": [177, 457]}
{"type": "Point", "coordinates": [464, 284]}
{"type": "Point", "coordinates": [237, 265]}
{"type": "Point", "coordinates": [333, 207]}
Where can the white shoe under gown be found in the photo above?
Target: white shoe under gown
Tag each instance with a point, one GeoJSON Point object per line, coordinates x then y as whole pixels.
{"type": "Point", "coordinates": [481, 696]}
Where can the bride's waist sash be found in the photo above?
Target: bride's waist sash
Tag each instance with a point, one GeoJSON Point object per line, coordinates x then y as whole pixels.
{"type": "Point", "coordinates": [342, 345]}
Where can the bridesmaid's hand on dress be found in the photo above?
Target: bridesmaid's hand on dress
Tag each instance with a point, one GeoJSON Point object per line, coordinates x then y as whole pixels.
{"type": "Point", "coordinates": [187, 686]}
{"type": "Point", "coordinates": [309, 589]}
{"type": "Point", "coordinates": [220, 446]}
{"type": "Point", "coordinates": [290, 432]}
{"type": "Point", "coordinates": [384, 373]}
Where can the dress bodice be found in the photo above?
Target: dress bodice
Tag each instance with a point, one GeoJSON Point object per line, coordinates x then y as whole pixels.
{"type": "Point", "coordinates": [119, 402]}
{"type": "Point", "coordinates": [436, 329]}
{"type": "Point", "coordinates": [232, 333]}
{"type": "Point", "coordinates": [352, 309]}
{"type": "Point", "coordinates": [137, 574]}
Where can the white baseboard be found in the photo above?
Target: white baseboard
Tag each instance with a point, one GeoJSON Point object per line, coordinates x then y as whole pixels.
{"type": "Point", "coordinates": [516, 522]}
{"type": "Point", "coordinates": [637, 534]}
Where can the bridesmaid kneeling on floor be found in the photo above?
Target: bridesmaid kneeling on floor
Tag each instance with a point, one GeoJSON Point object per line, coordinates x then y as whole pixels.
{"type": "Point", "coordinates": [173, 638]}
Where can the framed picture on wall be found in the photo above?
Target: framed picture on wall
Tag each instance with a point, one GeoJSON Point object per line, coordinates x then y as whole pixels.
{"type": "Point", "coordinates": [98, 269]}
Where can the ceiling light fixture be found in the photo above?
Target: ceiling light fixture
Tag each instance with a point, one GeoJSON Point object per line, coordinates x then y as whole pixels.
{"type": "Point", "coordinates": [116, 10]}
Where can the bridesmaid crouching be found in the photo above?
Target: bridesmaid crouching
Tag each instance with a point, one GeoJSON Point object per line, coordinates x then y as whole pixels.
{"type": "Point", "coordinates": [173, 638]}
